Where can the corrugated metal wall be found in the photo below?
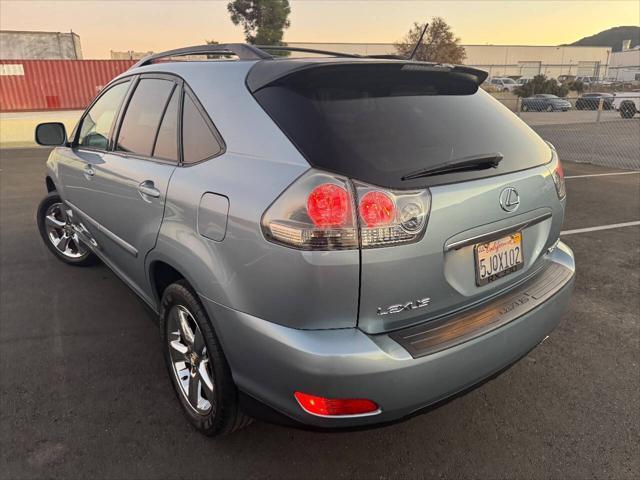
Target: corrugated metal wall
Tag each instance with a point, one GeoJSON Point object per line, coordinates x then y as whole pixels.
{"type": "Point", "coordinates": [54, 84]}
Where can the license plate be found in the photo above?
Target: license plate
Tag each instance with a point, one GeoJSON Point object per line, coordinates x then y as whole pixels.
{"type": "Point", "coordinates": [498, 258]}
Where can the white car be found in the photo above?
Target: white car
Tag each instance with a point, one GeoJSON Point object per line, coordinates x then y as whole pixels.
{"type": "Point", "coordinates": [523, 80]}
{"type": "Point", "coordinates": [627, 103]}
{"type": "Point", "coordinates": [587, 80]}
{"type": "Point", "coordinates": [503, 84]}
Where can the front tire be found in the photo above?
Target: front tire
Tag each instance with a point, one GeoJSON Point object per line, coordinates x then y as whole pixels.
{"type": "Point", "coordinates": [58, 233]}
{"type": "Point", "coordinates": [199, 371]}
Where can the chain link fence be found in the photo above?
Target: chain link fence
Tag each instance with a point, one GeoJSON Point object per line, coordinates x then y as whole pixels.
{"type": "Point", "coordinates": [597, 130]}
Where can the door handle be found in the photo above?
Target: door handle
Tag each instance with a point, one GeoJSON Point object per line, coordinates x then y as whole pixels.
{"type": "Point", "coordinates": [148, 189]}
{"type": "Point", "coordinates": [89, 171]}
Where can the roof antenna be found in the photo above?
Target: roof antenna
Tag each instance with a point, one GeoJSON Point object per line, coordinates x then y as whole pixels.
{"type": "Point", "coordinates": [419, 42]}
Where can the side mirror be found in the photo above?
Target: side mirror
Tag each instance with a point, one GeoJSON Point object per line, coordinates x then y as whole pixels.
{"type": "Point", "coordinates": [51, 134]}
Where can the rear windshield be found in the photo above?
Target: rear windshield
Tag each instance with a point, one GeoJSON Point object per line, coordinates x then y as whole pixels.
{"type": "Point", "coordinates": [378, 123]}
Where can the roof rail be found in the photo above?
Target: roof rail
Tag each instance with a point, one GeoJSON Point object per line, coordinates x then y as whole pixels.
{"type": "Point", "coordinates": [285, 48]}
{"type": "Point", "coordinates": [242, 50]}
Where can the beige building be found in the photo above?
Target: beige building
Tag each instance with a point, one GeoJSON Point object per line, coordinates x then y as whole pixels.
{"type": "Point", "coordinates": [129, 55]}
{"type": "Point", "coordinates": [28, 45]}
{"type": "Point", "coordinates": [505, 60]}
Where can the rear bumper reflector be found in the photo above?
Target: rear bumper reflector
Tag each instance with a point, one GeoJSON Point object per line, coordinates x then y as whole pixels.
{"type": "Point", "coordinates": [434, 336]}
{"type": "Point", "coordinates": [336, 407]}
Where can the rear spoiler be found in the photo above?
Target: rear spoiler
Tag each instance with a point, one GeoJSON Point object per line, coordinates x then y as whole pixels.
{"type": "Point", "coordinates": [263, 74]}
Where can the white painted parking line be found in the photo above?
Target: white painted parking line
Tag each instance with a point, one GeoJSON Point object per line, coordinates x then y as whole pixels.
{"type": "Point", "coordinates": [602, 174]}
{"type": "Point", "coordinates": [601, 227]}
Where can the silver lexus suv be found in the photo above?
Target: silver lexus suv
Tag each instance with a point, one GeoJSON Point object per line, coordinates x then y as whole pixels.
{"type": "Point", "coordinates": [331, 241]}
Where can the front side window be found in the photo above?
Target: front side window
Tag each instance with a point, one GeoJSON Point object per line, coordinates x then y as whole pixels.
{"type": "Point", "coordinates": [198, 141]}
{"type": "Point", "coordinates": [96, 124]}
{"type": "Point", "coordinates": [142, 118]}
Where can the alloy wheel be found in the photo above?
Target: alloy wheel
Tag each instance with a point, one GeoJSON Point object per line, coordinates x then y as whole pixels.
{"type": "Point", "coordinates": [190, 361]}
{"type": "Point", "coordinates": [61, 232]}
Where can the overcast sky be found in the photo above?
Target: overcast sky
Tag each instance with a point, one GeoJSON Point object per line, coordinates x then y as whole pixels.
{"type": "Point", "coordinates": [163, 24]}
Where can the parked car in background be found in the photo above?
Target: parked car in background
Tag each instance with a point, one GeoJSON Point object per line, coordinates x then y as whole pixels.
{"type": "Point", "coordinates": [627, 103]}
{"type": "Point", "coordinates": [309, 260]}
{"type": "Point", "coordinates": [591, 101]}
{"type": "Point", "coordinates": [523, 80]}
{"type": "Point", "coordinates": [545, 102]}
{"type": "Point", "coordinates": [503, 84]}
{"type": "Point", "coordinates": [566, 78]}
{"type": "Point", "coordinates": [587, 80]}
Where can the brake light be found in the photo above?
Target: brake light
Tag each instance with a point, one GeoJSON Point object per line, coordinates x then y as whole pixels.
{"type": "Point", "coordinates": [318, 212]}
{"type": "Point", "coordinates": [328, 205]}
{"type": "Point", "coordinates": [376, 209]}
{"type": "Point", "coordinates": [558, 173]}
{"type": "Point", "coordinates": [335, 406]}
{"type": "Point", "coordinates": [390, 217]}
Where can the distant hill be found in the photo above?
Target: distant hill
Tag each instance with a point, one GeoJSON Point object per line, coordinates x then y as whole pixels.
{"type": "Point", "coordinates": [612, 37]}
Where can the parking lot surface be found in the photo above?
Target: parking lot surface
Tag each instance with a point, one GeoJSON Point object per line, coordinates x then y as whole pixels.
{"type": "Point", "coordinates": [84, 392]}
{"type": "Point", "coordinates": [571, 116]}
{"type": "Point", "coordinates": [611, 144]}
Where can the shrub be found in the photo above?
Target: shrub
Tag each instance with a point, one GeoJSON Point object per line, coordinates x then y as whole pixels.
{"type": "Point", "coordinates": [541, 84]}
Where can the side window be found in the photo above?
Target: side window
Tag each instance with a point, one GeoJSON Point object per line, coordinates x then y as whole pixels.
{"type": "Point", "coordinates": [142, 118]}
{"type": "Point", "coordinates": [96, 124]}
{"type": "Point", "coordinates": [167, 141]}
{"type": "Point", "coordinates": [198, 141]}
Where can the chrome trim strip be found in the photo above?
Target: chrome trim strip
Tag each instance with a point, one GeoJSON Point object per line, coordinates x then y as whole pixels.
{"type": "Point", "coordinates": [434, 336]}
{"type": "Point", "coordinates": [108, 233]}
{"type": "Point", "coordinates": [492, 235]}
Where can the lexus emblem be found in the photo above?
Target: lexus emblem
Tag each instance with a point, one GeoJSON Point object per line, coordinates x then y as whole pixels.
{"type": "Point", "coordinates": [509, 199]}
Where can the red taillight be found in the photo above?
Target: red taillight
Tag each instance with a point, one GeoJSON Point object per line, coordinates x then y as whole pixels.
{"type": "Point", "coordinates": [559, 170]}
{"type": "Point", "coordinates": [319, 211]}
{"type": "Point", "coordinates": [335, 406]}
{"type": "Point", "coordinates": [377, 209]}
{"type": "Point", "coordinates": [328, 205]}
{"type": "Point", "coordinates": [558, 174]}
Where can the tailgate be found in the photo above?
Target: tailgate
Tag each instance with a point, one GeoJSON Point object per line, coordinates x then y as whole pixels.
{"type": "Point", "coordinates": [442, 266]}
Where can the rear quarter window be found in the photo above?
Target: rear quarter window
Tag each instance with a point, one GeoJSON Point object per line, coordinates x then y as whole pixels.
{"type": "Point", "coordinates": [198, 140]}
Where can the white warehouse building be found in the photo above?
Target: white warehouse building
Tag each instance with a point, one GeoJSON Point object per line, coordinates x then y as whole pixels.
{"type": "Point", "coordinates": [505, 60]}
{"type": "Point", "coordinates": [625, 65]}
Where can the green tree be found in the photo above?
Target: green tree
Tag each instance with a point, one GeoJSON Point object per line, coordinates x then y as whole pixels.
{"type": "Point", "coordinates": [263, 21]}
{"type": "Point", "coordinates": [576, 86]}
{"type": "Point", "coordinates": [541, 84]}
{"type": "Point", "coordinates": [438, 45]}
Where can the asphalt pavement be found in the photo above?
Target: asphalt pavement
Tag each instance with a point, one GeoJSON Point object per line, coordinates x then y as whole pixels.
{"type": "Point", "coordinates": [84, 392]}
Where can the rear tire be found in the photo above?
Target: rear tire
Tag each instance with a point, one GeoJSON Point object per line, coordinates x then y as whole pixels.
{"type": "Point", "coordinates": [525, 108]}
{"type": "Point", "coordinates": [198, 369]}
{"type": "Point", "coordinates": [627, 109]}
{"type": "Point", "coordinates": [549, 108]}
{"type": "Point", "coordinates": [58, 233]}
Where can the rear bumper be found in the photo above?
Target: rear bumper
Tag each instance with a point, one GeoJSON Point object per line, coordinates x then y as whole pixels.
{"type": "Point", "coordinates": [269, 362]}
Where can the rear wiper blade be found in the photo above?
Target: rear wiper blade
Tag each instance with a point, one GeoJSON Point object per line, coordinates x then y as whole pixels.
{"type": "Point", "coordinates": [474, 162]}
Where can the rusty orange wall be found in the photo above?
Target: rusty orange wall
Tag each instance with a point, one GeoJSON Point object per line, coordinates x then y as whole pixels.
{"type": "Point", "coordinates": [54, 84]}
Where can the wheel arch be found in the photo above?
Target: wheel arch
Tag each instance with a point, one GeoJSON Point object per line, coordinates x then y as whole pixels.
{"type": "Point", "coordinates": [161, 275]}
{"type": "Point", "coordinates": [51, 186]}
